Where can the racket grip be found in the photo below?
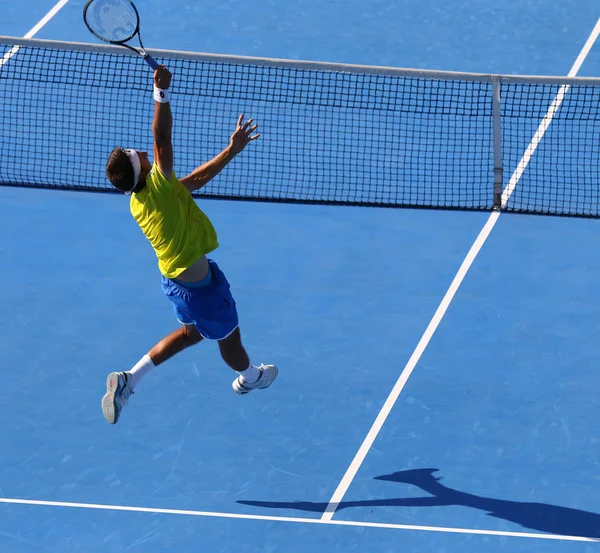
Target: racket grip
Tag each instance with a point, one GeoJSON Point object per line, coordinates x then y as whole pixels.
{"type": "Point", "coordinates": [151, 61]}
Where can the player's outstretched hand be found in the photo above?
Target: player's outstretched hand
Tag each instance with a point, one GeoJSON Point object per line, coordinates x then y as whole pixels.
{"type": "Point", "coordinates": [242, 135]}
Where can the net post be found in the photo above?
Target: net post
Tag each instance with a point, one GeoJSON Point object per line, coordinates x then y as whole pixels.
{"type": "Point", "coordinates": [497, 140]}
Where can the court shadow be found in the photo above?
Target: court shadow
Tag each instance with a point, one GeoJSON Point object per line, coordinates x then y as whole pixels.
{"type": "Point", "coordinates": [541, 517]}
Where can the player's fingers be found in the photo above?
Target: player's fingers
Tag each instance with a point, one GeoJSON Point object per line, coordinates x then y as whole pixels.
{"type": "Point", "coordinates": [247, 123]}
{"type": "Point", "coordinates": [241, 118]}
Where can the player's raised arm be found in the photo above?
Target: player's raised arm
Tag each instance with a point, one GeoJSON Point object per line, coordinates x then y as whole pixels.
{"type": "Point", "coordinates": [163, 122]}
{"type": "Point", "coordinates": [240, 138]}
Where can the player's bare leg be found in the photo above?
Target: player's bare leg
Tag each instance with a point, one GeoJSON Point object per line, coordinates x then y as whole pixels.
{"type": "Point", "coordinates": [250, 376]}
{"type": "Point", "coordinates": [120, 385]}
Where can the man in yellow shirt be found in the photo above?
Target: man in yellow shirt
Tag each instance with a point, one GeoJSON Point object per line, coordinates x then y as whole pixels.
{"type": "Point", "coordinates": [181, 236]}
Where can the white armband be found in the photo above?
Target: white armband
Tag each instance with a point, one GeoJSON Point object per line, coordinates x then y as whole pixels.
{"type": "Point", "coordinates": [161, 96]}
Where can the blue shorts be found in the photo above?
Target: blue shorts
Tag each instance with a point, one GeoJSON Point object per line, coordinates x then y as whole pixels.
{"type": "Point", "coordinates": [210, 307]}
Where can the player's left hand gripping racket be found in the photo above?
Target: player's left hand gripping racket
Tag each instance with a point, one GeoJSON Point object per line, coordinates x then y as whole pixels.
{"type": "Point", "coordinates": [116, 22]}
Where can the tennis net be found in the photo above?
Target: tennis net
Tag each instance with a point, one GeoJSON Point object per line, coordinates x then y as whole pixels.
{"type": "Point", "coordinates": [330, 134]}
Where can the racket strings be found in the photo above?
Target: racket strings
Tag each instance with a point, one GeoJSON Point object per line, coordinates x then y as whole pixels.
{"type": "Point", "coordinates": [113, 20]}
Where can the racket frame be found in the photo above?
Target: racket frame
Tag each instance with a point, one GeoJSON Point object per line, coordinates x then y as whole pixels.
{"type": "Point", "coordinates": [141, 51]}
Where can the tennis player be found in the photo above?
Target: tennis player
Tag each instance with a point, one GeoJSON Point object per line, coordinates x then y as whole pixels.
{"type": "Point", "coordinates": [182, 236]}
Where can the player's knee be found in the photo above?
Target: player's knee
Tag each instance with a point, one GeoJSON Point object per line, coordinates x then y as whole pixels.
{"type": "Point", "coordinates": [192, 336]}
{"type": "Point", "coordinates": [233, 352]}
{"type": "Point", "coordinates": [232, 344]}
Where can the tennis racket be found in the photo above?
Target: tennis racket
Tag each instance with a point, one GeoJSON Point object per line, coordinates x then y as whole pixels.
{"type": "Point", "coordinates": [116, 22]}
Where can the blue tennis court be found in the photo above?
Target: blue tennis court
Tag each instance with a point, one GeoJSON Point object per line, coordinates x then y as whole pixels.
{"type": "Point", "coordinates": [393, 426]}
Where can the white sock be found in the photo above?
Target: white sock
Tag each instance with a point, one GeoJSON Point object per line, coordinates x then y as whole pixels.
{"type": "Point", "coordinates": [251, 374]}
{"type": "Point", "coordinates": [141, 369]}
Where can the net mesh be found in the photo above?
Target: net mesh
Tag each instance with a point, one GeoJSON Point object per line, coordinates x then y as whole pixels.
{"type": "Point", "coordinates": [327, 136]}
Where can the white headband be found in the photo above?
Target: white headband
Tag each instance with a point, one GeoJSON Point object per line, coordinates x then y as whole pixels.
{"type": "Point", "coordinates": [137, 166]}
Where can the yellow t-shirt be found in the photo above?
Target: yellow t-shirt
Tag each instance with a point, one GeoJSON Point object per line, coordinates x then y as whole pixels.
{"type": "Point", "coordinates": [177, 228]}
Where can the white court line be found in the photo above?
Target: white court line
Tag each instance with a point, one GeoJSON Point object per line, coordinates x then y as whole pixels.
{"type": "Point", "coordinates": [34, 30]}
{"type": "Point", "coordinates": [449, 296]}
{"type": "Point", "coordinates": [300, 520]}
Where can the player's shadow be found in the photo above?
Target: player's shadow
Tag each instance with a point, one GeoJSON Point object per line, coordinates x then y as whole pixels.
{"type": "Point", "coordinates": [534, 516]}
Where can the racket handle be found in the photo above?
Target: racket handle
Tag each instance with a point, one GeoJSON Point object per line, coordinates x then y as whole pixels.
{"type": "Point", "coordinates": [151, 61]}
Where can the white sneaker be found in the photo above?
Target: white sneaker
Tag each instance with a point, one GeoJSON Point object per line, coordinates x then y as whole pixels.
{"type": "Point", "coordinates": [268, 373]}
{"type": "Point", "coordinates": [118, 390]}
